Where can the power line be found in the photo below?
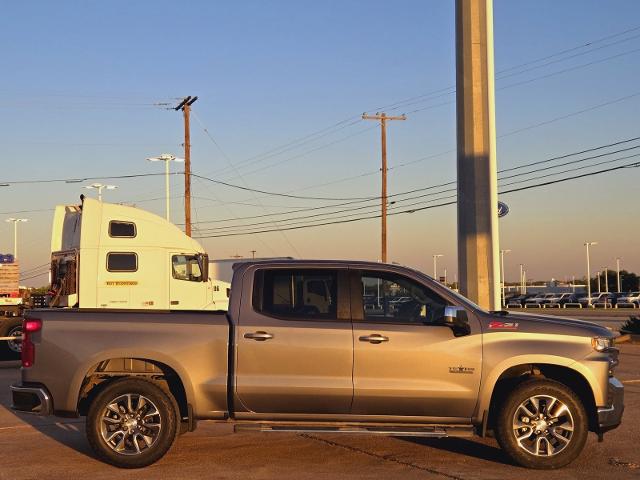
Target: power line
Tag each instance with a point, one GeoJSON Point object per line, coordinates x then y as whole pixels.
{"type": "Point", "coordinates": [453, 182]}
{"type": "Point", "coordinates": [206, 130]}
{"type": "Point", "coordinates": [443, 92]}
{"type": "Point", "coordinates": [630, 165]}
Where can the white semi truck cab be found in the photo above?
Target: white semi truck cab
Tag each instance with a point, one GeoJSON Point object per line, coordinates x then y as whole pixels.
{"type": "Point", "coordinates": [118, 257]}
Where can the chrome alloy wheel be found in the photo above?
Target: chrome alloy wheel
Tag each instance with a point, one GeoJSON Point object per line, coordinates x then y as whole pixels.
{"type": "Point", "coordinates": [15, 345]}
{"type": "Point", "coordinates": [543, 425]}
{"type": "Point", "coordinates": [130, 424]}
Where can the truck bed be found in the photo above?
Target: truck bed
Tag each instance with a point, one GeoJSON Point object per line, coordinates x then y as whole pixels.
{"type": "Point", "coordinates": [194, 345]}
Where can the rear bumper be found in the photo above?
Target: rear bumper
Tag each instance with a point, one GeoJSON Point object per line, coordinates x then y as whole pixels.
{"type": "Point", "coordinates": [610, 417]}
{"type": "Point", "coordinates": [34, 399]}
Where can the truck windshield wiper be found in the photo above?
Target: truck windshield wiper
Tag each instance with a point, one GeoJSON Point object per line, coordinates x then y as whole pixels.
{"type": "Point", "coordinates": [503, 313]}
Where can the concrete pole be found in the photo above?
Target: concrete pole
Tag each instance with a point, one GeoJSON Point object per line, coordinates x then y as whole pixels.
{"type": "Point", "coordinates": [478, 250]}
{"type": "Point", "coordinates": [606, 279]}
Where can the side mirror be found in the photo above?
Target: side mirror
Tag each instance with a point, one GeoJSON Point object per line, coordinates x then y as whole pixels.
{"type": "Point", "coordinates": [456, 319]}
{"type": "Point", "coordinates": [203, 261]}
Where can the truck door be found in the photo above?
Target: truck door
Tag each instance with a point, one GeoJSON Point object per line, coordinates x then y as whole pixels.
{"type": "Point", "coordinates": [294, 342]}
{"type": "Point", "coordinates": [405, 362]}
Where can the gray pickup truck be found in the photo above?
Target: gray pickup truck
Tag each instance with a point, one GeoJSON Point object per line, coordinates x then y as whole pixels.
{"type": "Point", "coordinates": [324, 346]}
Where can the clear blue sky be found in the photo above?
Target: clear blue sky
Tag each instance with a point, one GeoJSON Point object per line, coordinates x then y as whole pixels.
{"type": "Point", "coordinates": [80, 79]}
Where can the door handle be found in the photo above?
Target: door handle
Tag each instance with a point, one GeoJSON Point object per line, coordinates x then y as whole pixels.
{"type": "Point", "coordinates": [374, 338]}
{"type": "Point", "coordinates": [258, 336]}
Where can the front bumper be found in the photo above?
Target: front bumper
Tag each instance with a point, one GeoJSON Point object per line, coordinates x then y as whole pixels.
{"type": "Point", "coordinates": [34, 399]}
{"type": "Point", "coordinates": [610, 417]}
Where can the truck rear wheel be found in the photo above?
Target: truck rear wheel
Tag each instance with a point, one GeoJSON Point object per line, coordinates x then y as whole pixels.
{"type": "Point", "coordinates": [10, 349]}
{"type": "Point", "coordinates": [542, 424]}
{"type": "Point", "coordinates": [132, 423]}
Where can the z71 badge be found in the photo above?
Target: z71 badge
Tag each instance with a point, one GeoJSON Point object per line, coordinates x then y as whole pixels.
{"type": "Point", "coordinates": [503, 325]}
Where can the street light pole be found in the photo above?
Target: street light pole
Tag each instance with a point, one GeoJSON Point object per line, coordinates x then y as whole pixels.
{"type": "Point", "coordinates": [521, 280]}
{"type": "Point", "coordinates": [502, 253]}
{"type": "Point", "coordinates": [589, 244]}
{"type": "Point", "coordinates": [435, 265]}
{"type": "Point", "coordinates": [15, 222]}
{"type": "Point", "coordinates": [166, 158]}
{"type": "Point", "coordinates": [618, 274]}
{"type": "Point", "coordinates": [606, 279]}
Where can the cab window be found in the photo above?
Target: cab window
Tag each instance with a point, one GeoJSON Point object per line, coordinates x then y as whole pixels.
{"type": "Point", "coordinates": [392, 298]}
{"type": "Point", "coordinates": [186, 267]}
{"type": "Point", "coordinates": [296, 293]}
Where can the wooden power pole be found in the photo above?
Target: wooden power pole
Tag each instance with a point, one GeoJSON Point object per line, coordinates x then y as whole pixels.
{"type": "Point", "coordinates": [382, 117]}
{"type": "Point", "coordinates": [185, 106]}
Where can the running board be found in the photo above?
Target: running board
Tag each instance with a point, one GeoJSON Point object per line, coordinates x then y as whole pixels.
{"type": "Point", "coordinates": [438, 431]}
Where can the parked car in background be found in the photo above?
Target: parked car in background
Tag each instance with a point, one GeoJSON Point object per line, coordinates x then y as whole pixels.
{"type": "Point", "coordinates": [538, 300]}
{"type": "Point", "coordinates": [629, 299]}
{"type": "Point", "coordinates": [561, 299]}
{"type": "Point", "coordinates": [518, 300]}
{"type": "Point", "coordinates": [584, 301]}
{"type": "Point", "coordinates": [608, 299]}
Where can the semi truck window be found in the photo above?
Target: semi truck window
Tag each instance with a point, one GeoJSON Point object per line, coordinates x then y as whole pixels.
{"type": "Point", "coordinates": [122, 262]}
{"type": "Point", "coordinates": [186, 267]}
{"type": "Point", "coordinates": [391, 298]}
{"type": "Point", "coordinates": [297, 293]}
{"type": "Point", "coordinates": [122, 229]}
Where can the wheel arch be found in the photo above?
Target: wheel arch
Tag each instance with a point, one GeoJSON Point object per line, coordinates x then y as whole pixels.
{"type": "Point", "coordinates": [515, 374]}
{"type": "Point", "coordinates": [106, 370]}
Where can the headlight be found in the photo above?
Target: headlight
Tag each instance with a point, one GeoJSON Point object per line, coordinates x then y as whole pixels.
{"type": "Point", "coordinates": [602, 344]}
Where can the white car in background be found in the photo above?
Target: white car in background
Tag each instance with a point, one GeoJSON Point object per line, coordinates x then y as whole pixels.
{"type": "Point", "coordinates": [632, 298]}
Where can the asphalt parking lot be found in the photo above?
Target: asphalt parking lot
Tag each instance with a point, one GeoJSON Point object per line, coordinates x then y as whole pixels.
{"type": "Point", "coordinates": [50, 448]}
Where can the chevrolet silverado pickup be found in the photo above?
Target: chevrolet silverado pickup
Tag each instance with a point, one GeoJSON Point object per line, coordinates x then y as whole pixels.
{"type": "Point", "coordinates": [323, 346]}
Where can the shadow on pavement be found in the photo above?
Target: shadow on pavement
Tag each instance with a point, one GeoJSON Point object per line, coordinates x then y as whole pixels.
{"type": "Point", "coordinates": [463, 447]}
{"type": "Point", "coordinates": [68, 432]}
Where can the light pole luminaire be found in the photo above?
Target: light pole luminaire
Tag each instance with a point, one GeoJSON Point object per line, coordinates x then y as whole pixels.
{"type": "Point", "coordinates": [100, 187]}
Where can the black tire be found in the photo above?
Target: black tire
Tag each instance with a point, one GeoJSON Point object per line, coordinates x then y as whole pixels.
{"type": "Point", "coordinates": [10, 328]}
{"type": "Point", "coordinates": [553, 452]}
{"type": "Point", "coordinates": [134, 452]}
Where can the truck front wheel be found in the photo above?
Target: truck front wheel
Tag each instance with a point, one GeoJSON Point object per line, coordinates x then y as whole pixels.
{"type": "Point", "coordinates": [542, 424]}
{"type": "Point", "coordinates": [131, 423]}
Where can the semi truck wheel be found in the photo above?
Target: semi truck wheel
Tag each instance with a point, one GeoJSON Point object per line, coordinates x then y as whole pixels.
{"type": "Point", "coordinates": [132, 423]}
{"type": "Point", "coordinates": [10, 349]}
{"type": "Point", "coordinates": [542, 424]}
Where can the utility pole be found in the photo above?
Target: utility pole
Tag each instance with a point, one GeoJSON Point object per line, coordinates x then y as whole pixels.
{"type": "Point", "coordinates": [253, 254]}
{"type": "Point", "coordinates": [478, 249]}
{"type": "Point", "coordinates": [618, 274]}
{"type": "Point", "coordinates": [185, 106]}
{"type": "Point", "coordinates": [382, 117]}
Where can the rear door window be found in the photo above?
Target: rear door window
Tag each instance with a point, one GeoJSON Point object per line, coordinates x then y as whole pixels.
{"type": "Point", "coordinates": [296, 293]}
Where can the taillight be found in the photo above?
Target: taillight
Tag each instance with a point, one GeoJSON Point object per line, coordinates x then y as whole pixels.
{"type": "Point", "coordinates": [28, 354]}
